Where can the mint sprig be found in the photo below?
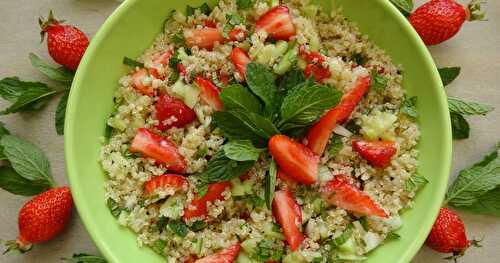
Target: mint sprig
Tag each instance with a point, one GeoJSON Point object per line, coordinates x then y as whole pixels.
{"type": "Point", "coordinates": [242, 150]}
{"type": "Point", "coordinates": [85, 258]}
{"type": "Point", "coordinates": [468, 107]}
{"type": "Point", "coordinates": [448, 74]}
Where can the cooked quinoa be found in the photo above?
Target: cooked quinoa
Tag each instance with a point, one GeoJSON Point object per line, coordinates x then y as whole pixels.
{"type": "Point", "coordinates": [241, 214]}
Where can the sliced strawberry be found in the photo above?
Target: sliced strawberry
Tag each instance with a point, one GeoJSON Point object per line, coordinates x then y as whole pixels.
{"type": "Point", "coordinates": [226, 255]}
{"type": "Point", "coordinates": [237, 34]}
{"type": "Point", "coordinates": [165, 182]}
{"type": "Point", "coordinates": [240, 60]}
{"type": "Point", "coordinates": [277, 22]}
{"type": "Point", "coordinates": [204, 37]}
{"type": "Point", "coordinates": [210, 23]}
{"type": "Point", "coordinates": [341, 193]}
{"type": "Point", "coordinates": [172, 112]}
{"type": "Point", "coordinates": [138, 82]}
{"type": "Point", "coordinates": [198, 207]}
{"type": "Point", "coordinates": [159, 148]}
{"type": "Point", "coordinates": [285, 210]}
{"type": "Point", "coordinates": [295, 159]}
{"type": "Point", "coordinates": [190, 259]}
{"type": "Point", "coordinates": [319, 133]}
{"type": "Point", "coordinates": [209, 93]}
{"type": "Point", "coordinates": [311, 57]}
{"type": "Point", "coordinates": [223, 78]}
{"type": "Point", "coordinates": [160, 60]}
{"type": "Point", "coordinates": [377, 153]}
{"type": "Point", "coordinates": [288, 180]}
{"type": "Point", "coordinates": [319, 72]}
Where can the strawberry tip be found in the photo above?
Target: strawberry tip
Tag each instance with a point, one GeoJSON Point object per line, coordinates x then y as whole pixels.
{"type": "Point", "coordinates": [19, 245]}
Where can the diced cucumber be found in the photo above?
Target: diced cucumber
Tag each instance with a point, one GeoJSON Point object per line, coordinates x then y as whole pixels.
{"type": "Point", "coordinates": [250, 245]}
{"type": "Point", "coordinates": [271, 52]}
{"type": "Point", "coordinates": [310, 11]}
{"type": "Point", "coordinates": [189, 94]}
{"type": "Point", "coordinates": [301, 63]}
{"type": "Point", "coordinates": [179, 17]}
{"type": "Point", "coordinates": [240, 188]}
{"type": "Point", "coordinates": [294, 257]}
{"type": "Point", "coordinates": [348, 247]}
{"type": "Point", "coordinates": [273, 3]}
{"type": "Point", "coordinates": [182, 54]}
{"type": "Point", "coordinates": [271, 233]}
{"type": "Point", "coordinates": [287, 60]}
{"type": "Point", "coordinates": [172, 208]}
{"type": "Point", "coordinates": [244, 258]}
{"type": "Point", "coordinates": [372, 241]}
{"type": "Point", "coordinates": [117, 123]}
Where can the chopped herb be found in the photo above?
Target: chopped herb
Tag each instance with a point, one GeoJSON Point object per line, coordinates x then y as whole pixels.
{"type": "Point", "coordinates": [201, 152]}
{"type": "Point", "coordinates": [392, 236]}
{"type": "Point", "coordinates": [174, 60]}
{"type": "Point", "coordinates": [336, 145]}
{"type": "Point", "coordinates": [364, 222]}
{"type": "Point", "coordinates": [343, 237]}
{"type": "Point", "coordinates": [159, 246]}
{"type": "Point", "coordinates": [409, 107]}
{"type": "Point", "coordinates": [352, 126]}
{"type": "Point", "coordinates": [161, 223]}
{"type": "Point", "coordinates": [178, 39]}
{"type": "Point", "coordinates": [108, 131]}
{"type": "Point", "coordinates": [114, 208]}
{"type": "Point", "coordinates": [178, 227]}
{"type": "Point", "coordinates": [133, 63]}
{"type": "Point", "coordinates": [267, 250]}
{"type": "Point", "coordinates": [359, 59]}
{"type": "Point", "coordinates": [235, 19]}
{"type": "Point", "coordinates": [226, 29]}
{"type": "Point", "coordinates": [255, 200]}
{"type": "Point", "coordinates": [415, 182]}
{"type": "Point", "coordinates": [448, 75]}
{"type": "Point", "coordinates": [459, 126]}
{"type": "Point", "coordinates": [379, 83]}
{"type": "Point", "coordinates": [270, 183]}
{"type": "Point", "coordinates": [198, 225]}
{"type": "Point", "coordinates": [244, 4]}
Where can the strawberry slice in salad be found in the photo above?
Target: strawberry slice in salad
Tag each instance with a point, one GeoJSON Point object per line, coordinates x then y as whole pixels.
{"type": "Point", "coordinates": [240, 60]}
{"type": "Point", "coordinates": [289, 216]}
{"type": "Point", "coordinates": [203, 37]}
{"type": "Point", "coordinates": [319, 134]}
{"type": "Point", "coordinates": [237, 34]}
{"type": "Point", "coordinates": [160, 60]}
{"type": "Point", "coordinates": [295, 159]}
{"type": "Point", "coordinates": [288, 180]}
{"type": "Point", "coordinates": [159, 148]}
{"type": "Point", "coordinates": [315, 65]}
{"type": "Point", "coordinates": [377, 153]}
{"type": "Point", "coordinates": [138, 82]}
{"type": "Point", "coordinates": [209, 93]}
{"type": "Point", "coordinates": [277, 22]}
{"type": "Point", "coordinates": [341, 193]}
{"type": "Point", "coordinates": [198, 207]}
{"type": "Point", "coordinates": [172, 112]}
{"type": "Point", "coordinates": [226, 255]}
{"type": "Point", "coordinates": [166, 182]}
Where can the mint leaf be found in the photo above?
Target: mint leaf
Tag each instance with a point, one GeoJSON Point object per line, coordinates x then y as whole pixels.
{"type": "Point", "coordinates": [448, 75]}
{"type": "Point", "coordinates": [488, 204]}
{"type": "Point", "coordinates": [159, 246]}
{"type": "Point", "coordinates": [291, 79]}
{"type": "Point", "coordinates": [12, 182]}
{"type": "Point", "coordinates": [201, 152]}
{"type": "Point", "coordinates": [61, 113]}
{"type": "Point", "coordinates": [405, 6]}
{"type": "Point", "coordinates": [304, 106]}
{"type": "Point", "coordinates": [415, 182]}
{"type": "Point", "coordinates": [178, 38]}
{"type": "Point", "coordinates": [241, 125]}
{"type": "Point", "coordinates": [198, 225]}
{"type": "Point", "coordinates": [114, 207]}
{"type": "Point", "coordinates": [3, 131]}
{"type": "Point", "coordinates": [244, 4]}
{"type": "Point", "coordinates": [409, 107]}
{"type": "Point", "coordinates": [32, 98]}
{"type": "Point", "coordinates": [270, 183]}
{"type": "Point", "coordinates": [235, 19]}
{"type": "Point", "coordinates": [392, 236]}
{"type": "Point", "coordinates": [261, 82]}
{"type": "Point", "coordinates": [59, 74]}
{"type": "Point", "coordinates": [220, 168]}
{"type": "Point", "coordinates": [85, 258]}
{"type": "Point", "coordinates": [474, 182]}
{"type": "Point", "coordinates": [459, 126]}
{"type": "Point", "coordinates": [468, 107]}
{"type": "Point", "coordinates": [241, 150]}
{"type": "Point", "coordinates": [12, 88]}
{"type": "Point", "coordinates": [132, 62]}
{"type": "Point", "coordinates": [379, 83]}
{"type": "Point", "coordinates": [239, 98]}
{"type": "Point", "coordinates": [335, 145]}
{"type": "Point", "coordinates": [27, 159]}
{"type": "Point", "coordinates": [179, 228]}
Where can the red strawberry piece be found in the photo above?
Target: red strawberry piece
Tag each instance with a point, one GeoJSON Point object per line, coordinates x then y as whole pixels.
{"type": "Point", "coordinates": [240, 60]}
{"type": "Point", "coordinates": [172, 112]}
{"type": "Point", "coordinates": [237, 34]}
{"type": "Point", "coordinates": [311, 57]}
{"type": "Point", "coordinates": [160, 60]}
{"type": "Point", "coordinates": [223, 78]}
{"type": "Point", "coordinates": [138, 82]}
{"type": "Point", "coordinates": [448, 234]}
{"type": "Point", "coordinates": [226, 255]}
{"type": "Point", "coordinates": [66, 44]}
{"type": "Point", "coordinates": [288, 180]}
{"type": "Point", "coordinates": [190, 259]}
{"type": "Point", "coordinates": [295, 159]}
{"type": "Point", "coordinates": [285, 210]}
{"type": "Point", "coordinates": [198, 207]}
{"type": "Point", "coordinates": [165, 182]}
{"type": "Point", "coordinates": [319, 72]}
{"type": "Point", "coordinates": [42, 218]}
{"type": "Point", "coordinates": [277, 22]}
{"type": "Point", "coordinates": [203, 37]}
{"type": "Point", "coordinates": [439, 20]}
{"type": "Point", "coordinates": [209, 93]}
{"type": "Point", "coordinates": [159, 148]}
{"type": "Point", "coordinates": [209, 23]}
{"type": "Point", "coordinates": [377, 153]}
{"type": "Point", "coordinates": [319, 133]}
{"type": "Point", "coordinates": [341, 193]}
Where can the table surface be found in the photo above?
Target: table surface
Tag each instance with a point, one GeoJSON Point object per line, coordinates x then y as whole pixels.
{"type": "Point", "coordinates": [475, 49]}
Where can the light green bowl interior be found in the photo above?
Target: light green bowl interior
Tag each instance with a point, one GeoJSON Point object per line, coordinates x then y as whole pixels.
{"type": "Point", "coordinates": [133, 27]}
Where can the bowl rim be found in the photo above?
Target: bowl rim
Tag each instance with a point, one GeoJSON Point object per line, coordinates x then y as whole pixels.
{"type": "Point", "coordinates": [85, 211]}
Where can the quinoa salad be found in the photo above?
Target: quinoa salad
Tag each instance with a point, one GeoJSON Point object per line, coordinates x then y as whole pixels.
{"type": "Point", "coordinates": [261, 131]}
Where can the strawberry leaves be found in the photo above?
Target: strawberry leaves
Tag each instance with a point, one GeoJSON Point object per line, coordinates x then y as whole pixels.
{"type": "Point", "coordinates": [476, 188]}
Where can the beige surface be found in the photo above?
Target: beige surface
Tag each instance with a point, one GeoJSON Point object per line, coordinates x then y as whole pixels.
{"type": "Point", "coordinates": [475, 49]}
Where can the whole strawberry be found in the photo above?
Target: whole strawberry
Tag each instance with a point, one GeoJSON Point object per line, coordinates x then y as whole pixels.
{"type": "Point", "coordinates": [42, 218]}
{"type": "Point", "coordinates": [448, 234]}
{"type": "Point", "coordinates": [439, 20]}
{"type": "Point", "coordinates": [66, 43]}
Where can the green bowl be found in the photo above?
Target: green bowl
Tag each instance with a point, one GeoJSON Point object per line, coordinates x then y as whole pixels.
{"type": "Point", "coordinates": [133, 27]}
